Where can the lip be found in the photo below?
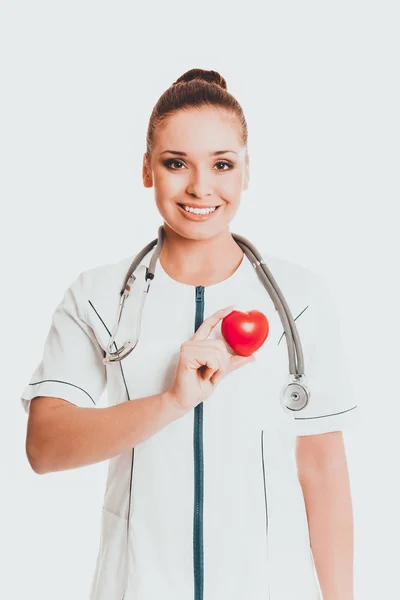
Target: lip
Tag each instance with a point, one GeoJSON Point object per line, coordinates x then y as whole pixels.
{"type": "Point", "coordinates": [193, 217]}
{"type": "Point", "coordinates": [198, 205]}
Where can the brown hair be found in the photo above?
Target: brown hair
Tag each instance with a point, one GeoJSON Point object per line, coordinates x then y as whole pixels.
{"type": "Point", "coordinates": [195, 88]}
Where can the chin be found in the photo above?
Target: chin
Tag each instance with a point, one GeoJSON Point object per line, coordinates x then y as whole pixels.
{"type": "Point", "coordinates": [194, 231]}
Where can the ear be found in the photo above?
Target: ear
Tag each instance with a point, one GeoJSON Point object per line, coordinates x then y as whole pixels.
{"type": "Point", "coordinates": [247, 173]}
{"type": "Point", "coordinates": [146, 174]}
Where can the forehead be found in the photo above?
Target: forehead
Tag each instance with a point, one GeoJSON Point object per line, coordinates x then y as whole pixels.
{"type": "Point", "coordinates": [198, 130]}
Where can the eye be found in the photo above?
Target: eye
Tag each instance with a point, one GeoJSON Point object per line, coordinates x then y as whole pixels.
{"type": "Point", "coordinates": [225, 164]}
{"type": "Point", "coordinates": [172, 161]}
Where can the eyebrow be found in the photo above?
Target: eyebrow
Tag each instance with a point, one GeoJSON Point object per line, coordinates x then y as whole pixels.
{"type": "Point", "coordinates": [179, 153]}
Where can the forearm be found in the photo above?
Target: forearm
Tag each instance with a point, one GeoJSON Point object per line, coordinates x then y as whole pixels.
{"type": "Point", "coordinates": [328, 503]}
{"type": "Point", "coordinates": [72, 436]}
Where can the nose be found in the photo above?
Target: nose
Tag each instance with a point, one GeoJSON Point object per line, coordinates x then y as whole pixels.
{"type": "Point", "coordinates": [199, 184]}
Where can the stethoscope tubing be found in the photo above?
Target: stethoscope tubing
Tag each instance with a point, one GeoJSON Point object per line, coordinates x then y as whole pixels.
{"type": "Point", "coordinates": [294, 348]}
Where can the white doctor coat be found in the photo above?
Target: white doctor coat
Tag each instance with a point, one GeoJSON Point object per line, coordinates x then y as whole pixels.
{"type": "Point", "coordinates": [210, 507]}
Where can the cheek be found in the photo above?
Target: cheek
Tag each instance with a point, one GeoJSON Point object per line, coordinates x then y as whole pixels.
{"type": "Point", "coordinates": [230, 184]}
{"type": "Point", "coordinates": [166, 184]}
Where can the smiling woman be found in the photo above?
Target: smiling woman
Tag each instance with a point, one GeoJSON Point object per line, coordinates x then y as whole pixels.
{"type": "Point", "coordinates": [197, 188]}
{"type": "Point", "coordinates": [203, 499]}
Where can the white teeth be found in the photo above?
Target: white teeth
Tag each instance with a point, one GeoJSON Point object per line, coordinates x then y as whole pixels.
{"type": "Point", "coordinates": [199, 211]}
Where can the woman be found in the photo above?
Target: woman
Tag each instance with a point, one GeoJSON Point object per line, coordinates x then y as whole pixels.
{"type": "Point", "coordinates": [231, 498]}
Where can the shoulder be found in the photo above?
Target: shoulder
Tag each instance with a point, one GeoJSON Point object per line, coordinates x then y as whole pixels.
{"type": "Point", "coordinates": [304, 289]}
{"type": "Point", "coordinates": [95, 280]}
{"type": "Point", "coordinates": [95, 294]}
{"type": "Point", "coordinates": [96, 290]}
{"type": "Point", "coordinates": [293, 278]}
{"type": "Point", "coordinates": [108, 275]}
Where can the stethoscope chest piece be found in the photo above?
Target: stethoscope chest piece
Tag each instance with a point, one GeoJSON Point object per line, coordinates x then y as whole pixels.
{"type": "Point", "coordinates": [294, 396]}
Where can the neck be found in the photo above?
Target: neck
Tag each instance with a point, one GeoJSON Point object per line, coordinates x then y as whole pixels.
{"type": "Point", "coordinates": [199, 262]}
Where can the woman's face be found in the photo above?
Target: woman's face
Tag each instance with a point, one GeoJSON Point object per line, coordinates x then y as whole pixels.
{"type": "Point", "coordinates": [198, 160]}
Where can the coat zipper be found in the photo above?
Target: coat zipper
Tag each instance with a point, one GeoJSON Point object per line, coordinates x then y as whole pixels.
{"type": "Point", "coordinates": [266, 505]}
{"type": "Point", "coordinates": [198, 558]}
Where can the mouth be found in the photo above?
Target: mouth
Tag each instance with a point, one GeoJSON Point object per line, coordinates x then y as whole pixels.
{"type": "Point", "coordinates": [198, 216]}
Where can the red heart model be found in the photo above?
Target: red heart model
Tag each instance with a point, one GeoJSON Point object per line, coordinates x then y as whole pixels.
{"type": "Point", "coordinates": [245, 332]}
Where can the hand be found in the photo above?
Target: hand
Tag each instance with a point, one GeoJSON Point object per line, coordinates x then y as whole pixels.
{"type": "Point", "coordinates": [203, 363]}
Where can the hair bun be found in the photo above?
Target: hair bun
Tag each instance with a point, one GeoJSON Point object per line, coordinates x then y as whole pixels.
{"type": "Point", "coordinates": [208, 76]}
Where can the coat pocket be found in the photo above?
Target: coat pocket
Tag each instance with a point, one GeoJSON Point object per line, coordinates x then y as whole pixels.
{"type": "Point", "coordinates": [110, 573]}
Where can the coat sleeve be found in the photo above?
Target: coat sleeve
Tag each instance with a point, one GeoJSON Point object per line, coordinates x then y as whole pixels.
{"type": "Point", "coordinates": [71, 367]}
{"type": "Point", "coordinates": [333, 405]}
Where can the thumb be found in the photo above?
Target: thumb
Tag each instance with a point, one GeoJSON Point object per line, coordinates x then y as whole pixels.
{"type": "Point", "coordinates": [238, 361]}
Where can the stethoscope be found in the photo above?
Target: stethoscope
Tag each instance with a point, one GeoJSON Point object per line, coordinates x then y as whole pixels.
{"type": "Point", "coordinates": [294, 395]}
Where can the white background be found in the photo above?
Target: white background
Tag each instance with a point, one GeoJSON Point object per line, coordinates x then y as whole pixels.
{"type": "Point", "coordinates": [318, 83]}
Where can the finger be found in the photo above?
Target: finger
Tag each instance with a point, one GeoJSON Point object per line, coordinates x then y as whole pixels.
{"type": "Point", "coordinates": [211, 366]}
{"type": "Point", "coordinates": [200, 352]}
{"type": "Point", "coordinates": [213, 345]}
{"type": "Point", "coordinates": [208, 324]}
{"type": "Point", "coordinates": [237, 361]}
{"type": "Point", "coordinates": [209, 372]}
{"type": "Point", "coordinates": [222, 372]}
